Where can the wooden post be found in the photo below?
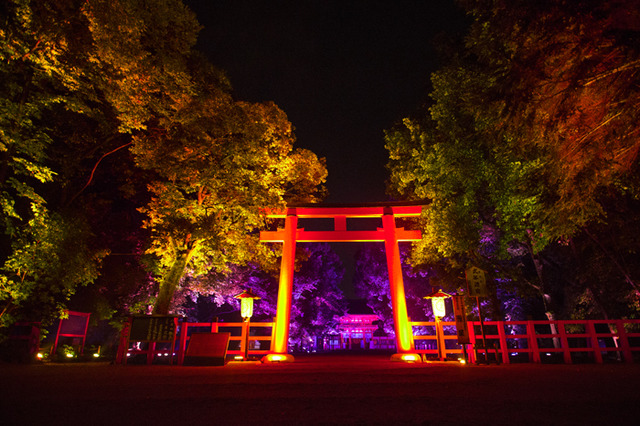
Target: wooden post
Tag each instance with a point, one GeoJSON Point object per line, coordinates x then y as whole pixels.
{"type": "Point", "coordinates": [566, 350]}
{"type": "Point", "coordinates": [533, 342]}
{"type": "Point", "coordinates": [473, 356]}
{"type": "Point", "coordinates": [285, 287]}
{"type": "Point", "coordinates": [245, 340]}
{"type": "Point", "coordinates": [182, 345]}
{"type": "Point", "coordinates": [597, 354]}
{"type": "Point", "coordinates": [440, 340]}
{"type": "Point", "coordinates": [151, 352]}
{"type": "Point", "coordinates": [173, 341]}
{"type": "Point", "coordinates": [123, 346]}
{"type": "Point", "coordinates": [624, 342]}
{"type": "Point", "coordinates": [484, 335]}
{"type": "Point", "coordinates": [504, 349]}
{"type": "Point", "coordinates": [404, 333]}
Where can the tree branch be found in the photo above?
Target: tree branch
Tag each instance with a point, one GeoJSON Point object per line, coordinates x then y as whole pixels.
{"type": "Point", "coordinates": [93, 171]}
{"type": "Point", "coordinates": [625, 67]}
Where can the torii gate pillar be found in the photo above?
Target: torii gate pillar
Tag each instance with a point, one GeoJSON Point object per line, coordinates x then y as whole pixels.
{"type": "Point", "coordinates": [404, 333]}
{"type": "Point", "coordinates": [388, 234]}
{"type": "Point", "coordinates": [280, 336]}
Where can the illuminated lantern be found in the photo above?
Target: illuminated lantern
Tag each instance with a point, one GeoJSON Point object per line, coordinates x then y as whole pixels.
{"type": "Point", "coordinates": [246, 303]}
{"type": "Point", "coordinates": [437, 303]}
{"type": "Point", "coordinates": [246, 311]}
{"type": "Point", "coordinates": [439, 311]}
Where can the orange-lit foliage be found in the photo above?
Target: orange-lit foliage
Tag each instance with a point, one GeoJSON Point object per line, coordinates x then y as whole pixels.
{"type": "Point", "coordinates": [82, 80]}
{"type": "Point", "coordinates": [220, 162]}
{"type": "Point", "coordinates": [584, 96]}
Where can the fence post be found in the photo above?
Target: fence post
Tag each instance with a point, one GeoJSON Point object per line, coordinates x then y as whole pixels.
{"type": "Point", "coordinates": [151, 352]}
{"type": "Point", "coordinates": [504, 349]}
{"type": "Point", "coordinates": [442, 354]}
{"type": "Point", "coordinates": [534, 354]}
{"type": "Point", "coordinates": [566, 353]}
{"type": "Point", "coordinates": [473, 356]}
{"type": "Point", "coordinates": [624, 342]}
{"type": "Point", "coordinates": [182, 342]}
{"type": "Point", "coordinates": [244, 343]}
{"type": "Point", "coordinates": [597, 354]}
{"type": "Point", "coordinates": [123, 344]}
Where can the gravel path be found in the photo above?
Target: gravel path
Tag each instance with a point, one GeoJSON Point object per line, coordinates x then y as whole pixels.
{"type": "Point", "coordinates": [320, 389]}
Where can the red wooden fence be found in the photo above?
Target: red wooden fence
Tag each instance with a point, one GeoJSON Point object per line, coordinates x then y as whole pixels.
{"type": "Point", "coordinates": [237, 330]}
{"type": "Point", "coordinates": [506, 341]}
{"type": "Point", "coordinates": [538, 340]}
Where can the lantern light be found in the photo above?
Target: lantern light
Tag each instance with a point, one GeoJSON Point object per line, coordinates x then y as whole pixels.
{"type": "Point", "coordinates": [437, 302]}
{"type": "Point", "coordinates": [246, 310]}
{"type": "Point", "coordinates": [246, 303]}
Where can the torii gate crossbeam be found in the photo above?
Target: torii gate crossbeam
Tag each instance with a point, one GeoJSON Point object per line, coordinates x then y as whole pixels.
{"type": "Point", "coordinates": [389, 234]}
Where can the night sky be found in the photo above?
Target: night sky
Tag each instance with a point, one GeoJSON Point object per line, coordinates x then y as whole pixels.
{"type": "Point", "coordinates": [343, 71]}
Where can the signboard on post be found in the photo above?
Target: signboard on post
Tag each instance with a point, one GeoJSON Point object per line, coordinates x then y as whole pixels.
{"type": "Point", "coordinates": [148, 328]}
{"type": "Point", "coordinates": [153, 328]}
{"type": "Point", "coordinates": [462, 328]}
{"type": "Point", "coordinates": [74, 326]}
{"type": "Point", "coordinates": [476, 282]}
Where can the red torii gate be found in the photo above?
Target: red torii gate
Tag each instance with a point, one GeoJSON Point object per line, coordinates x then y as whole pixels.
{"type": "Point", "coordinates": [388, 234]}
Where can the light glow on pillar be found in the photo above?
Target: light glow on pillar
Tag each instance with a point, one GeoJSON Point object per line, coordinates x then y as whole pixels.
{"type": "Point", "coordinates": [283, 313]}
{"type": "Point", "coordinates": [410, 357]}
{"type": "Point", "coordinates": [404, 332]}
{"type": "Point", "coordinates": [277, 358]}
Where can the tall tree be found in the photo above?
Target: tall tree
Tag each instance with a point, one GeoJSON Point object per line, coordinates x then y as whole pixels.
{"type": "Point", "coordinates": [533, 127]}
{"type": "Point", "coordinates": [564, 77]}
{"type": "Point", "coordinates": [220, 164]}
{"type": "Point", "coordinates": [37, 78]}
{"type": "Point", "coordinates": [124, 74]}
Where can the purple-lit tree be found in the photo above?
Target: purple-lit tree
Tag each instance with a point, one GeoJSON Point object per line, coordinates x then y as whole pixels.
{"type": "Point", "coordinates": [317, 302]}
{"type": "Point", "coordinates": [205, 297]}
{"type": "Point", "coordinates": [371, 282]}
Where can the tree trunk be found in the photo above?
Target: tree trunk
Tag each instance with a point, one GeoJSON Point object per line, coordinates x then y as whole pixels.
{"type": "Point", "coordinates": [170, 283]}
{"type": "Point", "coordinates": [546, 297]}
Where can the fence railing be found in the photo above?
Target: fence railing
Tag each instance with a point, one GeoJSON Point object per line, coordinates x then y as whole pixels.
{"type": "Point", "coordinates": [237, 340]}
{"type": "Point", "coordinates": [504, 341]}
{"type": "Point", "coordinates": [537, 341]}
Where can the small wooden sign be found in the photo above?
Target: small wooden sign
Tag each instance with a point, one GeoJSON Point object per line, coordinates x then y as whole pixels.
{"type": "Point", "coordinates": [476, 282]}
{"type": "Point", "coordinates": [460, 315]}
{"type": "Point", "coordinates": [207, 349]}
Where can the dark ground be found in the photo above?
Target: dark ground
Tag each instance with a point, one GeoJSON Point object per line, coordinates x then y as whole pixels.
{"type": "Point", "coordinates": [320, 389]}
